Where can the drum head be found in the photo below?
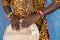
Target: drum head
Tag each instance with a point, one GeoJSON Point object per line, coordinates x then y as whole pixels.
{"type": "Point", "coordinates": [31, 33]}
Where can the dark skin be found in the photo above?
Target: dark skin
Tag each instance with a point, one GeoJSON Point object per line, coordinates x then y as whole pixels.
{"type": "Point", "coordinates": [15, 22]}
{"type": "Point", "coordinates": [34, 18]}
{"type": "Point", "coordinates": [30, 19]}
{"type": "Point", "coordinates": [14, 19]}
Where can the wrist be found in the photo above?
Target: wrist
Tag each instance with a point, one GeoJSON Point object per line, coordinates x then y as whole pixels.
{"type": "Point", "coordinates": [9, 15]}
{"type": "Point", "coordinates": [41, 13]}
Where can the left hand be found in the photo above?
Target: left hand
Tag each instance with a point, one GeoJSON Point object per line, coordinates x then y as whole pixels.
{"type": "Point", "coordinates": [15, 22]}
{"type": "Point", "coordinates": [30, 20]}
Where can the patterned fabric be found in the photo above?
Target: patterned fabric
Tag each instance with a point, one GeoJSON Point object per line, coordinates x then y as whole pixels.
{"type": "Point", "coordinates": [57, 1]}
{"type": "Point", "coordinates": [44, 34]}
{"type": "Point", "coordinates": [21, 7]}
{"type": "Point", "coordinates": [5, 3]}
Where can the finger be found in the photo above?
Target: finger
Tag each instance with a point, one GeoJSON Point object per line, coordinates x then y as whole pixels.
{"type": "Point", "coordinates": [17, 28]}
{"type": "Point", "coordinates": [27, 18]}
{"type": "Point", "coordinates": [17, 25]}
{"type": "Point", "coordinates": [31, 21]}
{"type": "Point", "coordinates": [13, 26]}
{"type": "Point", "coordinates": [25, 23]}
{"type": "Point", "coordinates": [28, 22]}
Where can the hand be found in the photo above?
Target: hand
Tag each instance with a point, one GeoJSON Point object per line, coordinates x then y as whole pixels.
{"type": "Point", "coordinates": [30, 20]}
{"type": "Point", "coordinates": [15, 22]}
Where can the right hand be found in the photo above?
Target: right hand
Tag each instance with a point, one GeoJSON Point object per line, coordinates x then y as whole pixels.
{"type": "Point", "coordinates": [33, 18]}
{"type": "Point", "coordinates": [15, 22]}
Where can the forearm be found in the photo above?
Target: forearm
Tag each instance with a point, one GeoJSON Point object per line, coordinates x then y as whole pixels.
{"type": "Point", "coordinates": [6, 6]}
{"type": "Point", "coordinates": [52, 7]}
{"type": "Point", "coordinates": [7, 9]}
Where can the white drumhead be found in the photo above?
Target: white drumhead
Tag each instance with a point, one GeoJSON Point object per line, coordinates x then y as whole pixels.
{"type": "Point", "coordinates": [31, 33]}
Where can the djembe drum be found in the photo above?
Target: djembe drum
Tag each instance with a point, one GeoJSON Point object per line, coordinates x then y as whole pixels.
{"type": "Point", "coordinates": [30, 33]}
